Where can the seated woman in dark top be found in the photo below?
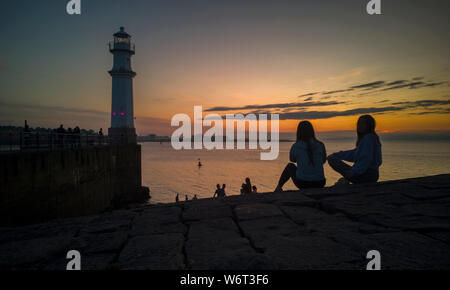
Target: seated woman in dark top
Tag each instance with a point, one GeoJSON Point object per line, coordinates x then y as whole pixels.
{"type": "Point", "coordinates": [366, 157]}
{"type": "Point", "coordinates": [310, 155]}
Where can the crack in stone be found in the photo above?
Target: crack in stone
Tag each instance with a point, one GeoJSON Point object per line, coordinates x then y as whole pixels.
{"type": "Point", "coordinates": [186, 237]}
{"type": "Point", "coordinates": [242, 233]}
{"type": "Point", "coordinates": [115, 261]}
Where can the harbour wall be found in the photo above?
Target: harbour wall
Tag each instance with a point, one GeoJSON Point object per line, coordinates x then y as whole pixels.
{"type": "Point", "coordinates": [37, 186]}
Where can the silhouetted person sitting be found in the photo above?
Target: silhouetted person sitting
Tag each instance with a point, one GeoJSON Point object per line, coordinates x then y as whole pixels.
{"type": "Point", "coordinates": [195, 197]}
{"type": "Point", "coordinates": [254, 190]}
{"type": "Point", "coordinates": [217, 192]}
{"type": "Point", "coordinates": [246, 187]}
{"type": "Point", "coordinates": [243, 188]}
{"type": "Point", "coordinates": [366, 157]}
{"type": "Point", "coordinates": [310, 155]}
{"type": "Point", "coordinates": [222, 190]}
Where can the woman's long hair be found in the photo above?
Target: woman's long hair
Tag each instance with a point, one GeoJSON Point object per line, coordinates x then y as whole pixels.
{"type": "Point", "coordinates": [305, 133]}
{"type": "Point", "coordinates": [370, 123]}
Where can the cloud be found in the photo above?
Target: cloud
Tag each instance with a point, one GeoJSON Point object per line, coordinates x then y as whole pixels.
{"type": "Point", "coordinates": [51, 108]}
{"type": "Point", "coordinates": [410, 85]}
{"type": "Point", "coordinates": [399, 82]}
{"type": "Point", "coordinates": [51, 116]}
{"type": "Point", "coordinates": [308, 99]}
{"type": "Point", "coordinates": [415, 83]}
{"type": "Point", "coordinates": [395, 107]}
{"type": "Point", "coordinates": [369, 85]}
{"type": "Point", "coordinates": [301, 115]}
{"type": "Point", "coordinates": [434, 84]}
{"type": "Point", "coordinates": [308, 95]}
{"type": "Point", "coordinates": [423, 103]}
{"type": "Point", "coordinates": [336, 91]}
{"type": "Point", "coordinates": [275, 106]}
{"type": "Point", "coordinates": [433, 111]}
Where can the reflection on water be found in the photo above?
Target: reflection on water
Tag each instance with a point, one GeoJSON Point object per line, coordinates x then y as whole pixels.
{"type": "Point", "coordinates": [168, 172]}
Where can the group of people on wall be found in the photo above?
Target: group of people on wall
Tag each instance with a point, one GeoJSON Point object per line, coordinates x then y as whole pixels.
{"type": "Point", "coordinates": [310, 155]}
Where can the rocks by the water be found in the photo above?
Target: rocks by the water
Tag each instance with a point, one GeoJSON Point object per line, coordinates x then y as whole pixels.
{"type": "Point", "coordinates": [407, 221]}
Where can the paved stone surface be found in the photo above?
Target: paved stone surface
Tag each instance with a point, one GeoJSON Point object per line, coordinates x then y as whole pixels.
{"type": "Point", "coordinates": [408, 221]}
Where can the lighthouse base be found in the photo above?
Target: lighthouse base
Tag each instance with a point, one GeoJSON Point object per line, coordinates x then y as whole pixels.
{"type": "Point", "coordinates": [122, 135]}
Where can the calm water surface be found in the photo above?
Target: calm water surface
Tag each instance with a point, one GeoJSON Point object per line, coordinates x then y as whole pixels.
{"type": "Point", "coordinates": [168, 172]}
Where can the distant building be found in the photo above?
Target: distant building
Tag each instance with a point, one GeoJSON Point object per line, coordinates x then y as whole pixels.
{"type": "Point", "coordinates": [153, 138]}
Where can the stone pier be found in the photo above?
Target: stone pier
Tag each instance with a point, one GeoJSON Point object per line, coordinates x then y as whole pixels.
{"type": "Point", "coordinates": [407, 221]}
{"type": "Point", "coordinates": [38, 186]}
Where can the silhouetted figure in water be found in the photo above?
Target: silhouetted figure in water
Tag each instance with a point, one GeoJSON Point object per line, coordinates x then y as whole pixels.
{"type": "Point", "coordinates": [177, 198]}
{"type": "Point", "coordinates": [254, 190]}
{"type": "Point", "coordinates": [195, 197]}
{"type": "Point", "coordinates": [199, 163]}
{"type": "Point", "coordinates": [310, 155]}
{"type": "Point", "coordinates": [366, 157]}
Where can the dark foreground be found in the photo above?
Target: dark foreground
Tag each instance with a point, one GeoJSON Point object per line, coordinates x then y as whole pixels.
{"type": "Point", "coordinates": [407, 221]}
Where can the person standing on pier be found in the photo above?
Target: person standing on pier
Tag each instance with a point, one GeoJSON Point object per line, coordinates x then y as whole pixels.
{"type": "Point", "coordinates": [60, 132]}
{"type": "Point", "coordinates": [26, 134]}
{"type": "Point", "coordinates": [100, 136]}
{"type": "Point", "coordinates": [77, 136]}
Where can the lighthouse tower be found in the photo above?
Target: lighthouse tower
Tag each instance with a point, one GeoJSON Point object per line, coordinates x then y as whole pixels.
{"type": "Point", "coordinates": [122, 129]}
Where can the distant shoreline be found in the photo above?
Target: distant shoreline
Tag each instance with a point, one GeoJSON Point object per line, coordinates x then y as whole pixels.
{"type": "Point", "coordinates": [168, 141]}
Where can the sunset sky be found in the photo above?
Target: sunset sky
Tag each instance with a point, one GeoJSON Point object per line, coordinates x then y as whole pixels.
{"type": "Point", "coordinates": [327, 61]}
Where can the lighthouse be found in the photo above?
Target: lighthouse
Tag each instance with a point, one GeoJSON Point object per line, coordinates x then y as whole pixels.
{"type": "Point", "coordinates": [122, 129]}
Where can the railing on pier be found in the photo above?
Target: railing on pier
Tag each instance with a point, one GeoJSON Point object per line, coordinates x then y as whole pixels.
{"type": "Point", "coordinates": [18, 141]}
